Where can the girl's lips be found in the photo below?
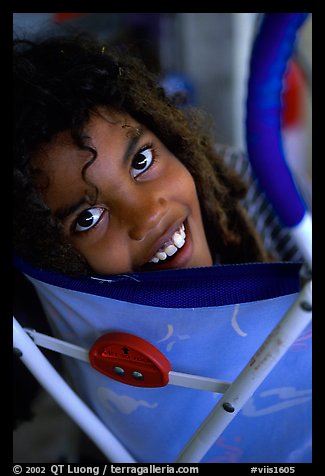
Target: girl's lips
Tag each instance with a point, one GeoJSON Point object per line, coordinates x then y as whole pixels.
{"type": "Point", "coordinates": [171, 246]}
{"type": "Point", "coordinates": [178, 260]}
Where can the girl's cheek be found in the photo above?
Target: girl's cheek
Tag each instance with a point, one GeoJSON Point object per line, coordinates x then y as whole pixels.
{"type": "Point", "coordinates": [179, 176]}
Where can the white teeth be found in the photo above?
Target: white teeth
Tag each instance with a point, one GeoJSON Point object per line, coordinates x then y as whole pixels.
{"type": "Point", "coordinates": [161, 255]}
{"type": "Point", "coordinates": [171, 247]}
{"type": "Point", "coordinates": [178, 240]}
{"type": "Point", "coordinates": [171, 250]}
{"type": "Point", "coordinates": [154, 260]}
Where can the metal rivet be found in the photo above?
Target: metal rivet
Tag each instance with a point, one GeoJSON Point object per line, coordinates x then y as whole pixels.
{"type": "Point", "coordinates": [17, 352]}
{"type": "Point", "coordinates": [119, 371]}
{"type": "Point", "coordinates": [306, 306]}
{"type": "Point", "coordinates": [137, 375]}
{"type": "Point", "coordinates": [228, 407]}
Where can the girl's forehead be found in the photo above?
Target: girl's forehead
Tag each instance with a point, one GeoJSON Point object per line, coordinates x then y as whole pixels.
{"type": "Point", "coordinates": [60, 164]}
{"type": "Point", "coordinates": [119, 123]}
{"type": "Point", "coordinates": [103, 127]}
{"type": "Point", "coordinates": [60, 146]}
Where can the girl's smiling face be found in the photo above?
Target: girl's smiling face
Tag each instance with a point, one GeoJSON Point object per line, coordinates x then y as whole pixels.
{"type": "Point", "coordinates": [147, 214]}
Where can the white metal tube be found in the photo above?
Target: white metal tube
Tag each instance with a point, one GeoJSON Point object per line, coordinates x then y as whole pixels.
{"type": "Point", "coordinates": [49, 378]}
{"type": "Point", "coordinates": [51, 343]}
{"type": "Point", "coordinates": [302, 234]}
{"type": "Point", "coordinates": [196, 381]}
{"type": "Point", "coordinates": [257, 369]}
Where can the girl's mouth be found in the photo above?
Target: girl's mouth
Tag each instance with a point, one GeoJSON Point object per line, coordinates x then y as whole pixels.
{"type": "Point", "coordinates": [170, 247]}
{"type": "Point", "coordinates": [176, 252]}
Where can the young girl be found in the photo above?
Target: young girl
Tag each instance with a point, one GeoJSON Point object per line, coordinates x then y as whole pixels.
{"type": "Point", "coordinates": [109, 176]}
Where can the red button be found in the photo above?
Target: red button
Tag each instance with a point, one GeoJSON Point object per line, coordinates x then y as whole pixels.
{"type": "Point", "coordinates": [130, 360]}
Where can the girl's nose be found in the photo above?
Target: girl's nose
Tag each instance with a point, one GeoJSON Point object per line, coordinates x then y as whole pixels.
{"type": "Point", "coordinates": [144, 216]}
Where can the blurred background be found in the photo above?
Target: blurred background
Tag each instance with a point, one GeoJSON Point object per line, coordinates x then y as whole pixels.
{"type": "Point", "coordinates": [202, 59]}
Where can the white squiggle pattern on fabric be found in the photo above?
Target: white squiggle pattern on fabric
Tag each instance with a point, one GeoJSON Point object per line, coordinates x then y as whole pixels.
{"type": "Point", "coordinates": [234, 322]}
{"type": "Point", "coordinates": [170, 345]}
{"type": "Point", "coordinates": [170, 333]}
{"type": "Point", "coordinates": [290, 396]}
{"type": "Point", "coordinates": [122, 403]}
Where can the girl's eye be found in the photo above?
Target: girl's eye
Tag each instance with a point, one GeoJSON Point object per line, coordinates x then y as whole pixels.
{"type": "Point", "coordinates": [142, 161]}
{"type": "Point", "coordinates": [88, 219]}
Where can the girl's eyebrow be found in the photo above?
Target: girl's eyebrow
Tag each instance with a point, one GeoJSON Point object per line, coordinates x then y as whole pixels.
{"type": "Point", "coordinates": [67, 210]}
{"type": "Point", "coordinates": [134, 137]}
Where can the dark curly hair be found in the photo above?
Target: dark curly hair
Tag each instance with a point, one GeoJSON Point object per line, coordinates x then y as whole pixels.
{"type": "Point", "coordinates": [58, 83]}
